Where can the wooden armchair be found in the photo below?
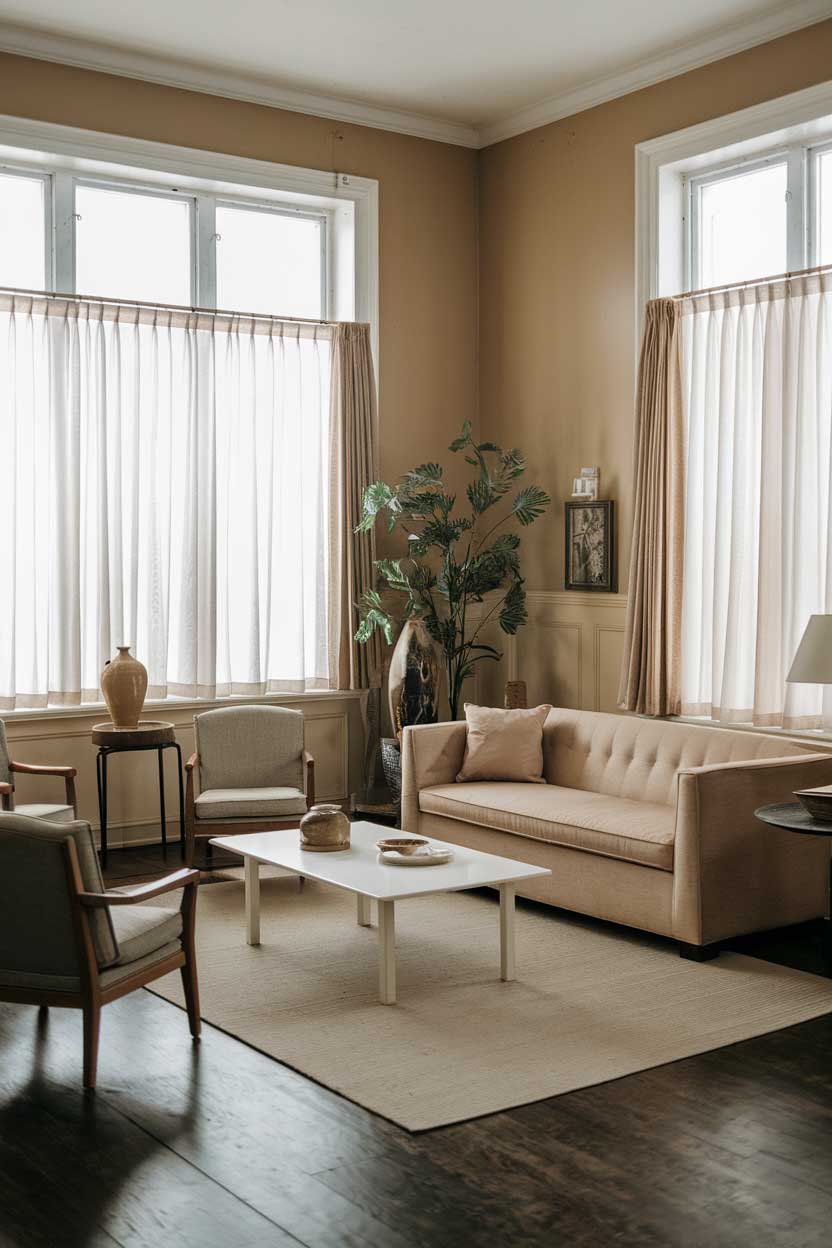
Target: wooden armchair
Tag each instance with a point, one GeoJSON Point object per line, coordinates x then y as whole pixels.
{"type": "Point", "coordinates": [35, 810]}
{"type": "Point", "coordinates": [66, 941]}
{"type": "Point", "coordinates": [254, 774]}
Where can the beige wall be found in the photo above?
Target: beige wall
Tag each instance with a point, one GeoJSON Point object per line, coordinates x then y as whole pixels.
{"type": "Point", "coordinates": [557, 350]}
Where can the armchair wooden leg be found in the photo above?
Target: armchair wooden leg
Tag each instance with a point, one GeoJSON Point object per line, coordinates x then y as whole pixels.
{"type": "Point", "coordinates": [190, 984]}
{"type": "Point", "coordinates": [190, 987]}
{"type": "Point", "coordinates": [92, 1027]}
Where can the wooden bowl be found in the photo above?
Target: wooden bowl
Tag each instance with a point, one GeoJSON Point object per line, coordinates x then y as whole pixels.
{"type": "Point", "coordinates": [402, 845]}
{"type": "Point", "coordinates": [818, 802]}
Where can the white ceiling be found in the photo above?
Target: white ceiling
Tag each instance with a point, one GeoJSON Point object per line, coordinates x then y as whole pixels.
{"type": "Point", "coordinates": [469, 71]}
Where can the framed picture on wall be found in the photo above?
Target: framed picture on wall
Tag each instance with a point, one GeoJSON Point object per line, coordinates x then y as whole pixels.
{"type": "Point", "coordinates": [590, 546]}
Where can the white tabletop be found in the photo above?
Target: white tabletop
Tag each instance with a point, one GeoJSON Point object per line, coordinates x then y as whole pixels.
{"type": "Point", "coordinates": [358, 869]}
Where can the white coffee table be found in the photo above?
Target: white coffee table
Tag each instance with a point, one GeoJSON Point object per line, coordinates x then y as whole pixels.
{"type": "Point", "coordinates": [357, 870]}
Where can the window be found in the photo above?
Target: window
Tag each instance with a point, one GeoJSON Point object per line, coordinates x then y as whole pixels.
{"type": "Point", "coordinates": [739, 224]}
{"type": "Point", "coordinates": [260, 251]}
{"type": "Point", "coordinates": [733, 202]}
{"type": "Point", "coordinates": [186, 459]}
{"type": "Point", "coordinates": [23, 230]}
{"type": "Point", "coordinates": [170, 243]}
{"type": "Point", "coordinates": [132, 244]}
{"type": "Point", "coordinates": [759, 217]}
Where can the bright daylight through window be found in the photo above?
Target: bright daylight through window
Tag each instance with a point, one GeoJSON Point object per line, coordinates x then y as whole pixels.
{"type": "Point", "coordinates": [757, 385]}
{"type": "Point", "coordinates": [759, 217]}
{"type": "Point", "coordinates": [185, 457]}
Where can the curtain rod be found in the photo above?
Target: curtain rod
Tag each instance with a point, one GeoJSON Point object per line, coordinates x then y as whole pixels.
{"type": "Point", "coordinates": [167, 307]}
{"type": "Point", "coordinates": [753, 281]}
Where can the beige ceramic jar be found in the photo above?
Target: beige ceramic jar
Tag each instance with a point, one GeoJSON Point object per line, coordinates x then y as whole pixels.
{"type": "Point", "coordinates": [325, 828]}
{"type": "Point", "coordinates": [124, 685]}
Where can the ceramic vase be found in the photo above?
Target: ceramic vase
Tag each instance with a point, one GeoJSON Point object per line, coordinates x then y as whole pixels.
{"type": "Point", "coordinates": [325, 828]}
{"type": "Point", "coordinates": [413, 680]}
{"type": "Point", "coordinates": [124, 685]}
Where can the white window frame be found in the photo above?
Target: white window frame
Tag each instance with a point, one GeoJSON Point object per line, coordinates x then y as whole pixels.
{"type": "Point", "coordinates": [348, 203]}
{"type": "Point", "coordinates": [664, 166]}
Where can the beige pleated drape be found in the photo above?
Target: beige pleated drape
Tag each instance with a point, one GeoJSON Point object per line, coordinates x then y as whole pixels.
{"type": "Point", "coordinates": [650, 672]}
{"type": "Point", "coordinates": [354, 466]}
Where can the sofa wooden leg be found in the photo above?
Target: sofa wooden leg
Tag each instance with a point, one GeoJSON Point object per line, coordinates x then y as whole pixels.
{"type": "Point", "coordinates": [699, 953]}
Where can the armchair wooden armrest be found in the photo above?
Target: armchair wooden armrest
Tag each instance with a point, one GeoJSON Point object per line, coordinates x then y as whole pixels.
{"type": "Point", "coordinates": [309, 777]}
{"type": "Point", "coordinates": [192, 762]}
{"type": "Point", "coordinates": [43, 769]}
{"type": "Point", "coordinates": [47, 769]}
{"type": "Point", "coordinates": [185, 878]}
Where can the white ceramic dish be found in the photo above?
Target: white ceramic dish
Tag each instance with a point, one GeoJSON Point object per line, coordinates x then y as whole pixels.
{"type": "Point", "coordinates": [430, 857]}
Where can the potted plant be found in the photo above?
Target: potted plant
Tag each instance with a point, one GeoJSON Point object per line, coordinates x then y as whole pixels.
{"type": "Point", "coordinates": [454, 559]}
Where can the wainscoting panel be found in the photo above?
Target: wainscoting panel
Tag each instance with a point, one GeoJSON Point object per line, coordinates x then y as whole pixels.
{"type": "Point", "coordinates": [569, 652]}
{"type": "Point", "coordinates": [334, 735]}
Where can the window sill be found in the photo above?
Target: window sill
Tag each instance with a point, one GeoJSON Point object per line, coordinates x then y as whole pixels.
{"type": "Point", "coordinates": [812, 736]}
{"type": "Point", "coordinates": [169, 706]}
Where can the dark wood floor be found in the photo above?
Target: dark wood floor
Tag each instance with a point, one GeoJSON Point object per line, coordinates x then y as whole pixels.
{"type": "Point", "coordinates": [218, 1145]}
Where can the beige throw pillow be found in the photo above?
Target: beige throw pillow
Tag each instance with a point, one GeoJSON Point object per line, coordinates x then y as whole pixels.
{"type": "Point", "coordinates": [504, 745]}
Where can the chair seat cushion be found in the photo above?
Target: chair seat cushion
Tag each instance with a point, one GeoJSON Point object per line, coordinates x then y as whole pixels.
{"type": "Point", "coordinates": [116, 973]}
{"type": "Point", "coordinates": [615, 827]}
{"type": "Point", "coordinates": [142, 930]}
{"type": "Point", "coordinates": [249, 803]}
{"type": "Point", "coordinates": [41, 810]}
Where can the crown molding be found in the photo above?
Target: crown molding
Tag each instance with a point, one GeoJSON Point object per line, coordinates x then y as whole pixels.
{"type": "Point", "coordinates": [173, 73]}
{"type": "Point", "coordinates": [693, 55]}
{"type": "Point", "coordinates": [170, 72]}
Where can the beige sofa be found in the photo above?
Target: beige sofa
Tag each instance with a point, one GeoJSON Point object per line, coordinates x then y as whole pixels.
{"type": "Point", "coordinates": [643, 822]}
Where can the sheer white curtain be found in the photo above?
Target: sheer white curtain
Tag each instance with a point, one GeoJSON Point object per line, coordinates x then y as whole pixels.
{"type": "Point", "coordinates": [165, 483]}
{"type": "Point", "coordinates": [758, 517]}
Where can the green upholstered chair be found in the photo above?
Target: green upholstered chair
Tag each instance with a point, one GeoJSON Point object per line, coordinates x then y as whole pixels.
{"type": "Point", "coordinates": [58, 813]}
{"type": "Point", "coordinates": [67, 941]}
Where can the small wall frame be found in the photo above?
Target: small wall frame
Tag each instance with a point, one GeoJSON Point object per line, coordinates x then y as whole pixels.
{"type": "Point", "coordinates": [589, 553]}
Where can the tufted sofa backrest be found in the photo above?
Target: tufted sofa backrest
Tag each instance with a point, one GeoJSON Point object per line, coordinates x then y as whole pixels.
{"type": "Point", "coordinates": [625, 756]}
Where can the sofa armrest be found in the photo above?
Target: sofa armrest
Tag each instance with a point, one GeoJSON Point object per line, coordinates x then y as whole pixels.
{"type": "Point", "coordinates": [431, 754]}
{"type": "Point", "coordinates": [732, 873]}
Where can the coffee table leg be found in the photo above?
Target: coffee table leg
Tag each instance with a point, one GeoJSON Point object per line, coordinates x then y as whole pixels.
{"type": "Point", "coordinates": [365, 914]}
{"type": "Point", "coordinates": [507, 931]}
{"type": "Point", "coordinates": [386, 953]}
{"type": "Point", "coordinates": [252, 901]}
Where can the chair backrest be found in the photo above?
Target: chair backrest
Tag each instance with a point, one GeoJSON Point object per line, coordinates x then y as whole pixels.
{"type": "Point", "coordinates": [5, 768]}
{"type": "Point", "coordinates": [37, 935]}
{"type": "Point", "coordinates": [250, 747]}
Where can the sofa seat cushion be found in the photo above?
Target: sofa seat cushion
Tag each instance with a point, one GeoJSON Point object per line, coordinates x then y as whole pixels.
{"type": "Point", "coordinates": [249, 803]}
{"type": "Point", "coordinates": [142, 930]}
{"type": "Point", "coordinates": [615, 827]}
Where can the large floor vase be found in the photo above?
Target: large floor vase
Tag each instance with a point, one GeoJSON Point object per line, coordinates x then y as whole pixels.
{"type": "Point", "coordinates": [413, 681]}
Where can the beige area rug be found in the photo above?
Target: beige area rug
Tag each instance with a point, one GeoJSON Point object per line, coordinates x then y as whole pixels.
{"type": "Point", "coordinates": [589, 1004]}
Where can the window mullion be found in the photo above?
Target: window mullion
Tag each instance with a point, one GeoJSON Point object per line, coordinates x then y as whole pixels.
{"type": "Point", "coordinates": [796, 214]}
{"type": "Point", "coordinates": [205, 268]}
{"type": "Point", "coordinates": [63, 233]}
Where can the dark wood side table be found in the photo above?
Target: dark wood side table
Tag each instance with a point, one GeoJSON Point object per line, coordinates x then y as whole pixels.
{"type": "Point", "coordinates": [793, 817]}
{"type": "Point", "coordinates": [151, 734]}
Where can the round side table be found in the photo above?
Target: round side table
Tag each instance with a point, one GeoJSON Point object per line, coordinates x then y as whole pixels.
{"type": "Point", "coordinates": [151, 734]}
{"type": "Point", "coordinates": [793, 817]}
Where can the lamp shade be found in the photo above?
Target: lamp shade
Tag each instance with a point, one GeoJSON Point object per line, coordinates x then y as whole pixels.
{"type": "Point", "coordinates": [812, 665]}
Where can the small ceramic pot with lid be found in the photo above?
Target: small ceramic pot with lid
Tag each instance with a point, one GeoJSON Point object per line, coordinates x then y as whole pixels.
{"type": "Point", "coordinates": [325, 828]}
